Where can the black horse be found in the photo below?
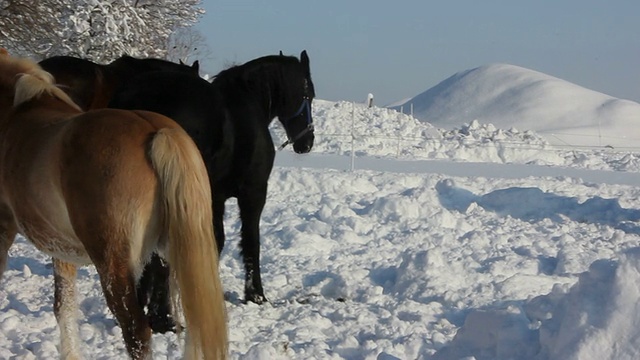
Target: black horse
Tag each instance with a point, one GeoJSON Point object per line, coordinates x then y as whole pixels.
{"type": "Point", "coordinates": [229, 121]}
{"type": "Point", "coordinates": [92, 85]}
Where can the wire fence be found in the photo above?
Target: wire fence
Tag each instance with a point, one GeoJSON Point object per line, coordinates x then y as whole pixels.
{"type": "Point", "coordinates": [354, 142]}
{"type": "Point", "coordinates": [467, 143]}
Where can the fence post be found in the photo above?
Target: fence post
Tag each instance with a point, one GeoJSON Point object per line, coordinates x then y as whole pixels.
{"type": "Point", "coordinates": [599, 134]}
{"type": "Point", "coordinates": [353, 120]}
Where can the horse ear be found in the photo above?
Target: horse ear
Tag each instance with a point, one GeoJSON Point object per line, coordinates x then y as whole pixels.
{"type": "Point", "coordinates": [4, 51]}
{"type": "Point", "coordinates": [304, 59]}
{"type": "Point", "coordinates": [196, 65]}
{"type": "Point", "coordinates": [181, 63]}
{"type": "Point", "coordinates": [280, 52]}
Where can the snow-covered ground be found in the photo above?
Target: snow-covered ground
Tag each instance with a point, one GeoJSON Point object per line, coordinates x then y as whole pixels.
{"type": "Point", "coordinates": [430, 242]}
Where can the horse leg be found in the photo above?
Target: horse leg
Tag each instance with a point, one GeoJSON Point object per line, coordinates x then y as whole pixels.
{"type": "Point", "coordinates": [119, 287]}
{"type": "Point", "coordinates": [8, 232]}
{"type": "Point", "coordinates": [251, 206]}
{"type": "Point", "coordinates": [144, 287]}
{"type": "Point", "coordinates": [218, 216]}
{"type": "Point", "coordinates": [65, 308]}
{"type": "Point", "coordinates": [153, 291]}
{"type": "Point", "coordinates": [153, 286]}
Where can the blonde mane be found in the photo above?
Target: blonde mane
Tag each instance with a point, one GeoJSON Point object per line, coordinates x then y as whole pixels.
{"type": "Point", "coordinates": [31, 81]}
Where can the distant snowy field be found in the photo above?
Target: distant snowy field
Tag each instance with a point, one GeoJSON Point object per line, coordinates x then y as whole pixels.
{"type": "Point", "coordinates": [382, 132]}
{"type": "Point", "coordinates": [471, 241]}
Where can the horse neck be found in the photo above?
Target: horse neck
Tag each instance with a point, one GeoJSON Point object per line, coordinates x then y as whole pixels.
{"type": "Point", "coordinates": [271, 90]}
{"type": "Point", "coordinates": [118, 71]}
{"type": "Point", "coordinates": [111, 76]}
{"type": "Point", "coordinates": [239, 96]}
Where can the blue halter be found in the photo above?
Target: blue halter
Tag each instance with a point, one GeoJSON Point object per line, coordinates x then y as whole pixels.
{"type": "Point", "coordinates": [306, 104]}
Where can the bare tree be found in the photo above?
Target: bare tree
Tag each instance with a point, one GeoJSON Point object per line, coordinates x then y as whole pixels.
{"type": "Point", "coordinates": [187, 44]}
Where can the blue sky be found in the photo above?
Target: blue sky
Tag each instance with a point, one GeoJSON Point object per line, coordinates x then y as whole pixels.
{"type": "Point", "coordinates": [399, 49]}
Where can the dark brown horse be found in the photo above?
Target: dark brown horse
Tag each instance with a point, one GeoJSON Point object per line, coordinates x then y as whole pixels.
{"type": "Point", "coordinates": [107, 188]}
{"type": "Point", "coordinates": [91, 85]}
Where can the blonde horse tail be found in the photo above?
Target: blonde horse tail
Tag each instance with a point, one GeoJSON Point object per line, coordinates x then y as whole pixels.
{"type": "Point", "coordinates": [192, 253]}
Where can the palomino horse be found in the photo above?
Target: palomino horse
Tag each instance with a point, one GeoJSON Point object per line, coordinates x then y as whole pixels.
{"type": "Point", "coordinates": [91, 85]}
{"type": "Point", "coordinates": [107, 188]}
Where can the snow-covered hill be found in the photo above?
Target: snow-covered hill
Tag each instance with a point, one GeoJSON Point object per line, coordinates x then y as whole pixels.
{"type": "Point", "coordinates": [511, 96]}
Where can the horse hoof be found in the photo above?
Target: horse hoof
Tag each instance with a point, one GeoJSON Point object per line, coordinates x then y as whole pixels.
{"type": "Point", "coordinates": [256, 298]}
{"type": "Point", "coordinates": [161, 326]}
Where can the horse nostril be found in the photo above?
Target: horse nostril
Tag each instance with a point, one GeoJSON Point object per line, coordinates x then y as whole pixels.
{"type": "Point", "coordinates": [303, 147]}
{"type": "Point", "coordinates": [306, 149]}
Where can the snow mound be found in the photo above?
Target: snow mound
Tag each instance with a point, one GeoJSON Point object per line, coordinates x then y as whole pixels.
{"type": "Point", "coordinates": [596, 318]}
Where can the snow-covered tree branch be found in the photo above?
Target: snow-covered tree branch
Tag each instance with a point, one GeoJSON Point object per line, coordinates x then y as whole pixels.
{"type": "Point", "coordinates": [100, 30]}
{"type": "Point", "coordinates": [30, 27]}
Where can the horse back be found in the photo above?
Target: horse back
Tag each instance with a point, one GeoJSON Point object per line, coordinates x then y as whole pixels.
{"type": "Point", "coordinates": [189, 100]}
{"type": "Point", "coordinates": [79, 78]}
{"type": "Point", "coordinates": [80, 172]}
{"type": "Point", "coordinates": [110, 144]}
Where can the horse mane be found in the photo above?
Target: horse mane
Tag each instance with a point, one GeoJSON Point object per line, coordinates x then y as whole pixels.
{"type": "Point", "coordinates": [238, 70]}
{"type": "Point", "coordinates": [133, 61]}
{"type": "Point", "coordinates": [270, 75]}
{"type": "Point", "coordinates": [128, 66]}
{"type": "Point", "coordinates": [257, 75]}
{"type": "Point", "coordinates": [33, 82]}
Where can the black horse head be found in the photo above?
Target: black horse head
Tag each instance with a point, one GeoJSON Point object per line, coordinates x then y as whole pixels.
{"type": "Point", "coordinates": [295, 114]}
{"type": "Point", "coordinates": [284, 88]}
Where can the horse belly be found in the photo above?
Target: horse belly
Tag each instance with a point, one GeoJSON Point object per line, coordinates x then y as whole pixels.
{"type": "Point", "coordinates": [63, 245]}
{"type": "Point", "coordinates": [55, 244]}
{"type": "Point", "coordinates": [47, 225]}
